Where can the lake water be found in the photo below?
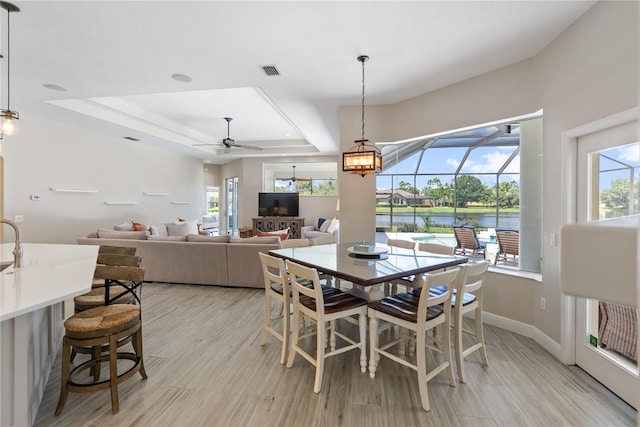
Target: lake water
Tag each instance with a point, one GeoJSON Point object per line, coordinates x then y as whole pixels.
{"type": "Point", "coordinates": [483, 220]}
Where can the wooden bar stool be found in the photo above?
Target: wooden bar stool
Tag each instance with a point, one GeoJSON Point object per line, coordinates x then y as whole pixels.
{"type": "Point", "coordinates": [104, 330]}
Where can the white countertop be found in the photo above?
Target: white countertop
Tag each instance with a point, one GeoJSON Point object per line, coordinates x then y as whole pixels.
{"type": "Point", "coordinates": [51, 274]}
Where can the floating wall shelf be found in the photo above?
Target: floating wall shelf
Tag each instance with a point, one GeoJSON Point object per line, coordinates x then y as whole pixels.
{"type": "Point", "coordinates": [72, 190]}
{"type": "Point", "coordinates": [120, 203]}
{"type": "Point", "coordinates": [152, 193]}
{"type": "Point", "coordinates": [181, 203]}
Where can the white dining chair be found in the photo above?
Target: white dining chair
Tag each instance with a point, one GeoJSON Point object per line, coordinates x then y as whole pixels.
{"type": "Point", "coordinates": [468, 298]}
{"type": "Point", "coordinates": [276, 287]}
{"type": "Point", "coordinates": [322, 305]}
{"type": "Point", "coordinates": [418, 314]}
{"type": "Point", "coordinates": [392, 287]}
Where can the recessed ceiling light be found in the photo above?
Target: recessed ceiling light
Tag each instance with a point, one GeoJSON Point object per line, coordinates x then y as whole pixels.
{"type": "Point", "coordinates": [181, 78]}
{"type": "Point", "coordinates": [54, 87]}
{"type": "Point", "coordinates": [131, 138]}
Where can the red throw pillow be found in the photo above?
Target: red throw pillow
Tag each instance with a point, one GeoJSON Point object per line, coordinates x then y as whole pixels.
{"type": "Point", "coordinates": [139, 227]}
{"type": "Point", "coordinates": [282, 235]}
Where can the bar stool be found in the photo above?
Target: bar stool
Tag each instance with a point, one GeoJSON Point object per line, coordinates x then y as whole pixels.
{"type": "Point", "coordinates": [104, 330]}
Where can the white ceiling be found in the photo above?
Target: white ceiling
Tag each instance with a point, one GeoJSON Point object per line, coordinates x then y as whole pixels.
{"type": "Point", "coordinates": [116, 59]}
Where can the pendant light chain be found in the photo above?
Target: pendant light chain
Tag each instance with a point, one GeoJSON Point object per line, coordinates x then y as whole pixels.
{"type": "Point", "coordinates": [363, 61]}
{"type": "Point", "coordinates": [8, 62]}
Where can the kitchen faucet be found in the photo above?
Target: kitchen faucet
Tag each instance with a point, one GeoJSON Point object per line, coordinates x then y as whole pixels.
{"type": "Point", "coordinates": [17, 251]}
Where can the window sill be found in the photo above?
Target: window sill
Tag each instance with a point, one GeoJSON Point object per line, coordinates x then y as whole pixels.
{"type": "Point", "coordinates": [516, 273]}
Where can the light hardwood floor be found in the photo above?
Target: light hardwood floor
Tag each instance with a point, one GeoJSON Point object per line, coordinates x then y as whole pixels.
{"type": "Point", "coordinates": [206, 368]}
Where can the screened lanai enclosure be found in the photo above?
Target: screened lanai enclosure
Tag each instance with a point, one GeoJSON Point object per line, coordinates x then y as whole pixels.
{"type": "Point", "coordinates": [470, 177]}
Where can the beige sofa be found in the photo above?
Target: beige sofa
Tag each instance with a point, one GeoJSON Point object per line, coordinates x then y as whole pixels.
{"type": "Point", "coordinates": [200, 260]}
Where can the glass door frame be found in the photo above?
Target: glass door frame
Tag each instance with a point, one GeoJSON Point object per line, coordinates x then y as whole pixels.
{"type": "Point", "coordinates": [569, 147]}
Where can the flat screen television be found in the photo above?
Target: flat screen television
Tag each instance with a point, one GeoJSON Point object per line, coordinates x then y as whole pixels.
{"type": "Point", "coordinates": [278, 204]}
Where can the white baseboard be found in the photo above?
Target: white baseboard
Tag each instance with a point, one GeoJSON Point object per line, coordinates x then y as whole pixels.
{"type": "Point", "coordinates": [526, 330]}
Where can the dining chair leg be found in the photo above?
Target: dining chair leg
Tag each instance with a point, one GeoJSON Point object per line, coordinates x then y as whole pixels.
{"type": "Point", "coordinates": [422, 370]}
{"type": "Point", "coordinates": [267, 319]}
{"type": "Point", "coordinates": [373, 344]}
{"type": "Point", "coordinates": [137, 348]}
{"type": "Point", "coordinates": [299, 322]}
{"type": "Point", "coordinates": [480, 338]}
{"type": "Point", "coordinates": [320, 339]}
{"type": "Point", "coordinates": [457, 337]}
{"type": "Point", "coordinates": [332, 335]}
{"type": "Point", "coordinates": [446, 351]}
{"type": "Point", "coordinates": [362, 322]}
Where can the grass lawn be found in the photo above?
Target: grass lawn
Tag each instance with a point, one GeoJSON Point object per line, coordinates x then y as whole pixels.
{"type": "Point", "coordinates": [444, 210]}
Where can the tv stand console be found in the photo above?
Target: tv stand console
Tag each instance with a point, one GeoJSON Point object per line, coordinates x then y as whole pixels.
{"type": "Point", "coordinates": [275, 223]}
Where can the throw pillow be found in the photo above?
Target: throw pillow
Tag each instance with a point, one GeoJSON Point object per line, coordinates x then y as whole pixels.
{"type": "Point", "coordinates": [325, 225]}
{"type": "Point", "coordinates": [335, 224]}
{"type": "Point", "coordinates": [319, 223]}
{"type": "Point", "coordinates": [283, 235]}
{"type": "Point", "coordinates": [159, 230]}
{"type": "Point", "coordinates": [180, 229]}
{"type": "Point", "coordinates": [192, 226]}
{"type": "Point", "coordinates": [125, 226]}
{"type": "Point", "coordinates": [137, 226]}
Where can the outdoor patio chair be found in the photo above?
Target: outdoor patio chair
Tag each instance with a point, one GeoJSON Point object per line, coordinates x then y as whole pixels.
{"type": "Point", "coordinates": [508, 241]}
{"type": "Point", "coordinates": [467, 241]}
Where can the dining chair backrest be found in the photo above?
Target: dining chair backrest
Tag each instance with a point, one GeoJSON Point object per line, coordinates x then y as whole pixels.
{"type": "Point", "coordinates": [305, 281]}
{"type": "Point", "coordinates": [294, 243]}
{"type": "Point", "coordinates": [445, 283]}
{"type": "Point", "coordinates": [399, 243]}
{"type": "Point", "coordinates": [471, 281]}
{"type": "Point", "coordinates": [435, 248]}
{"type": "Point", "coordinates": [130, 278]}
{"type": "Point", "coordinates": [275, 273]}
{"type": "Point", "coordinates": [323, 240]}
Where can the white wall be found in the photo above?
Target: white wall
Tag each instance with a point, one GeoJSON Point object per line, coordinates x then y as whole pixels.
{"type": "Point", "coordinates": [588, 72]}
{"type": "Point", "coordinates": [46, 154]}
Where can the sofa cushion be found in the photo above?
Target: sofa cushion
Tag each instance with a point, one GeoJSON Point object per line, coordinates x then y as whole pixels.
{"type": "Point", "coordinates": [201, 238]}
{"type": "Point", "coordinates": [180, 229]}
{"type": "Point", "coordinates": [111, 234]}
{"type": "Point", "coordinates": [93, 235]}
{"type": "Point", "coordinates": [125, 226]}
{"type": "Point", "coordinates": [253, 240]}
{"type": "Point", "coordinates": [169, 238]}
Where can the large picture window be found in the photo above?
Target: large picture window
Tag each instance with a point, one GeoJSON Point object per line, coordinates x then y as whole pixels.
{"type": "Point", "coordinates": [466, 178]}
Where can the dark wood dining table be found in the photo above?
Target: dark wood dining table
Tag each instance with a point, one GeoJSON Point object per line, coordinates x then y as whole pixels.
{"type": "Point", "coordinates": [340, 261]}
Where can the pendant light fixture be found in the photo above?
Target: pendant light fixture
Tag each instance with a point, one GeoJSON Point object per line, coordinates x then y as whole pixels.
{"type": "Point", "coordinates": [364, 158]}
{"type": "Point", "coordinates": [7, 116]}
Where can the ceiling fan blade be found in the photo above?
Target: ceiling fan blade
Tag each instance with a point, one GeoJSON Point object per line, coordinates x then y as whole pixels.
{"type": "Point", "coordinates": [304, 179]}
{"type": "Point", "coordinates": [206, 145]}
{"type": "Point", "coordinates": [248, 147]}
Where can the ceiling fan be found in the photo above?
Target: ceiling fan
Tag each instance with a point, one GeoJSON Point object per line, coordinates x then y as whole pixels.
{"type": "Point", "coordinates": [230, 143]}
{"type": "Point", "coordinates": [293, 178]}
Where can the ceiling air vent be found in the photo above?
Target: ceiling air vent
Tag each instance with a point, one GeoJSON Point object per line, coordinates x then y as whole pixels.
{"type": "Point", "coordinates": [271, 70]}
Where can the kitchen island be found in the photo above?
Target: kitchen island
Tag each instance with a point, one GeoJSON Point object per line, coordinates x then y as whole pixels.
{"type": "Point", "coordinates": [31, 320]}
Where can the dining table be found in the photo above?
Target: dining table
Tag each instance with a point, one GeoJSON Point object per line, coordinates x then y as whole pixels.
{"type": "Point", "coordinates": [380, 264]}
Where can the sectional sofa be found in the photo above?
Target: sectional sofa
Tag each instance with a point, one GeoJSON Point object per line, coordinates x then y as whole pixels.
{"type": "Point", "coordinates": [194, 259]}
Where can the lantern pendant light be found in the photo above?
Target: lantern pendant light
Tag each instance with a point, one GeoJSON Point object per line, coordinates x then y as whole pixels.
{"type": "Point", "coordinates": [364, 158]}
{"type": "Point", "coordinates": [7, 115]}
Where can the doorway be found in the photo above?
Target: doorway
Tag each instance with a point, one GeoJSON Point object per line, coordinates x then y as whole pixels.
{"type": "Point", "coordinates": [231, 206]}
{"type": "Point", "coordinates": [607, 160]}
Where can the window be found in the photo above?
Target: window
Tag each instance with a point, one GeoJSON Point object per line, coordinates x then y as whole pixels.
{"type": "Point", "coordinates": [464, 178]}
{"type": "Point", "coordinates": [308, 179]}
